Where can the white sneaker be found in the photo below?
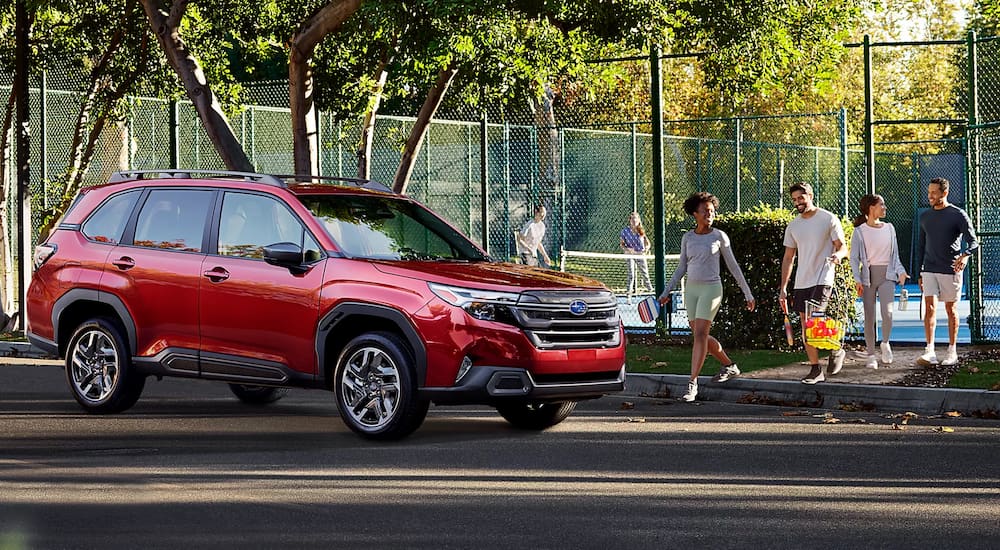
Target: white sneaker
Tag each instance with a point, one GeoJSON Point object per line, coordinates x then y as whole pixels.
{"type": "Point", "coordinates": [886, 353]}
{"type": "Point", "coordinates": [950, 358]}
{"type": "Point", "coordinates": [691, 393]}
{"type": "Point", "coordinates": [928, 359]}
{"type": "Point", "coordinates": [872, 362]}
{"type": "Point", "coordinates": [727, 373]}
{"type": "Point", "coordinates": [861, 355]}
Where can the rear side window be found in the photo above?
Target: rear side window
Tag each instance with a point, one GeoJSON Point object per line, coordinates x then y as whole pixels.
{"type": "Point", "coordinates": [173, 219]}
{"type": "Point", "coordinates": [107, 223]}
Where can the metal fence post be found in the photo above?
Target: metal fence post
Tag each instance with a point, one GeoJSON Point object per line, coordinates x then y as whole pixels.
{"type": "Point", "coordinates": [660, 226]}
{"type": "Point", "coordinates": [738, 146]}
{"type": "Point", "coordinates": [562, 190]}
{"type": "Point", "coordinates": [484, 177]}
{"type": "Point", "coordinates": [635, 170]}
{"type": "Point", "coordinates": [972, 192]}
{"type": "Point", "coordinates": [869, 127]}
{"type": "Point", "coordinates": [175, 135]}
{"type": "Point", "coordinates": [506, 183]}
{"type": "Point", "coordinates": [43, 164]}
{"type": "Point", "coordinates": [842, 124]}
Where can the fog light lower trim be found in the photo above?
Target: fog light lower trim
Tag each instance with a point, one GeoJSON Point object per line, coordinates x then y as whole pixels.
{"type": "Point", "coordinates": [463, 368]}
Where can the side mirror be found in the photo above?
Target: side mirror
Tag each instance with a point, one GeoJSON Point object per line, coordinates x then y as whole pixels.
{"type": "Point", "coordinates": [287, 255]}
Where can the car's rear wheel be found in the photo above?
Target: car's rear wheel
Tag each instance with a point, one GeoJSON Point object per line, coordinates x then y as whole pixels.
{"type": "Point", "coordinates": [257, 395]}
{"type": "Point", "coordinates": [535, 416]}
{"type": "Point", "coordinates": [99, 368]}
{"type": "Point", "coordinates": [376, 387]}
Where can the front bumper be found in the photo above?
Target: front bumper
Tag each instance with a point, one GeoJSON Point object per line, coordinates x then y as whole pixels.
{"type": "Point", "coordinates": [491, 385]}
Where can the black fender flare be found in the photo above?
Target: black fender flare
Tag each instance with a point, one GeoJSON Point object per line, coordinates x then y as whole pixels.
{"type": "Point", "coordinates": [90, 295]}
{"type": "Point", "coordinates": [345, 310]}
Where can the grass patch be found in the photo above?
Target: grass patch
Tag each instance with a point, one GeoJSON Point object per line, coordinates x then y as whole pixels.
{"type": "Point", "coordinates": [676, 359]}
{"type": "Point", "coordinates": [977, 375]}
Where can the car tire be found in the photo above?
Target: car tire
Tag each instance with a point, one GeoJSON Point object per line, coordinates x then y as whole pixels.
{"type": "Point", "coordinates": [376, 387]}
{"type": "Point", "coordinates": [99, 368]}
{"type": "Point", "coordinates": [257, 395]}
{"type": "Point", "coordinates": [535, 416]}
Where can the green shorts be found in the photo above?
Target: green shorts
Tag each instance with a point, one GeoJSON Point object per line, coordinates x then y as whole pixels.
{"type": "Point", "coordinates": [702, 300]}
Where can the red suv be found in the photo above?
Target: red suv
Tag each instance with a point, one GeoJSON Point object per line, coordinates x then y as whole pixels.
{"type": "Point", "coordinates": [266, 283]}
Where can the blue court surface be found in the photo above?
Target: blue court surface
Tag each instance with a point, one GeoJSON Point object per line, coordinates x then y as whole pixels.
{"type": "Point", "coordinates": [907, 325]}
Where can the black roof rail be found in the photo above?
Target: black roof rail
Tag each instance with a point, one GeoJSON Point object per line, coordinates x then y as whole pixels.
{"type": "Point", "coordinates": [355, 182]}
{"type": "Point", "coordinates": [130, 175]}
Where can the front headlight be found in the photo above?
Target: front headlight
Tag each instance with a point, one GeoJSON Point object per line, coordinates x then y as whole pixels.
{"type": "Point", "coordinates": [485, 305]}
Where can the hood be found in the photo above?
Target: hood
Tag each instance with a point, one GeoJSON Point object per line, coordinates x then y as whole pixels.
{"type": "Point", "coordinates": [486, 275]}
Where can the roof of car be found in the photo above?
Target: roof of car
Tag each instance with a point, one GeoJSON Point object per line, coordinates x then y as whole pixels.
{"type": "Point", "coordinates": [296, 183]}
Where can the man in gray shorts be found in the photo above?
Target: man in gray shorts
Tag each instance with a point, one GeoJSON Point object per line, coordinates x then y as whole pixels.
{"type": "Point", "coordinates": [941, 263]}
{"type": "Point", "coordinates": [817, 238]}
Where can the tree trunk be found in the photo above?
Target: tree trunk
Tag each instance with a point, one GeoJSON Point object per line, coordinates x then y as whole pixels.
{"type": "Point", "coordinates": [305, 142]}
{"type": "Point", "coordinates": [368, 127]}
{"type": "Point", "coordinates": [188, 69]}
{"type": "Point", "coordinates": [548, 136]}
{"type": "Point", "coordinates": [416, 137]}
{"type": "Point", "coordinates": [5, 253]}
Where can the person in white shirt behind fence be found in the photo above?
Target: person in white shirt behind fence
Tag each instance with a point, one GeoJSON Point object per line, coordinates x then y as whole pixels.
{"type": "Point", "coordinates": [529, 239]}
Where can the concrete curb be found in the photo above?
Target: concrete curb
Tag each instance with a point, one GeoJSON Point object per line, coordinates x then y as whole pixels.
{"type": "Point", "coordinates": [823, 395]}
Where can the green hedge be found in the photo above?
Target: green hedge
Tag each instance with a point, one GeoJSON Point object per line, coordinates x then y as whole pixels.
{"type": "Point", "coordinates": [757, 237]}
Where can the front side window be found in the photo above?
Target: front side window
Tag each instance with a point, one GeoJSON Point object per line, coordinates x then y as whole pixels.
{"type": "Point", "coordinates": [385, 228]}
{"type": "Point", "coordinates": [250, 222]}
{"type": "Point", "coordinates": [173, 219]}
{"type": "Point", "coordinates": [107, 223]}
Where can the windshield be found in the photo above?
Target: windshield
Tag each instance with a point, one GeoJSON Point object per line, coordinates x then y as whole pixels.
{"type": "Point", "coordinates": [385, 228]}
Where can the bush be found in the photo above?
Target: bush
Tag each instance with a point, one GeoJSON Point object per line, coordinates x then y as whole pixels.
{"type": "Point", "coordinates": [757, 238]}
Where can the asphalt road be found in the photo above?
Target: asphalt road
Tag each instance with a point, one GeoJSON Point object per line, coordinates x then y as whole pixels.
{"type": "Point", "coordinates": [190, 467]}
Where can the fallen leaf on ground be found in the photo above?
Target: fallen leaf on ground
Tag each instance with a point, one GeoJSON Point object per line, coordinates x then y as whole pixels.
{"type": "Point", "coordinates": [898, 427]}
{"type": "Point", "coordinates": [953, 414]}
{"type": "Point", "coordinates": [831, 420]}
{"type": "Point", "coordinates": [659, 365]}
{"type": "Point", "coordinates": [644, 358]}
{"type": "Point", "coordinates": [627, 405]}
{"type": "Point", "coordinates": [638, 420]}
{"type": "Point", "coordinates": [944, 429]}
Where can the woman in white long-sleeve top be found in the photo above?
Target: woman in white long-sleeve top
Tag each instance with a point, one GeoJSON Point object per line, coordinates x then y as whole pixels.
{"type": "Point", "coordinates": [701, 249]}
{"type": "Point", "coordinates": [877, 269]}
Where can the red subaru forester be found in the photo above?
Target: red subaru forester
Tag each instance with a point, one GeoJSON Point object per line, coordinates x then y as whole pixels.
{"type": "Point", "coordinates": [266, 283]}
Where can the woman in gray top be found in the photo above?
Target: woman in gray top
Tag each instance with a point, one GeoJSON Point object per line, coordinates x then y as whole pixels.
{"type": "Point", "coordinates": [701, 249]}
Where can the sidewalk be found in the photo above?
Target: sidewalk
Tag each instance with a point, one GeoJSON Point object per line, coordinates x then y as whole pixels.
{"type": "Point", "coordinates": [856, 387]}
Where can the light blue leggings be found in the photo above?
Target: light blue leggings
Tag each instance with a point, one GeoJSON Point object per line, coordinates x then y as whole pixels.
{"type": "Point", "coordinates": [885, 289]}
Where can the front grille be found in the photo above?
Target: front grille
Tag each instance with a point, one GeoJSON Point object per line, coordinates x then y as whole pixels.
{"type": "Point", "coordinates": [549, 319]}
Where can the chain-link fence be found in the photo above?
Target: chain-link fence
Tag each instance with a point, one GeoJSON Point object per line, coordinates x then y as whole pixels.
{"type": "Point", "coordinates": [984, 201]}
{"type": "Point", "coordinates": [590, 166]}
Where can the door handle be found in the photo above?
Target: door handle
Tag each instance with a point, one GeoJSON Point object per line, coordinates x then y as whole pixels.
{"type": "Point", "coordinates": [216, 274]}
{"type": "Point", "coordinates": [124, 263]}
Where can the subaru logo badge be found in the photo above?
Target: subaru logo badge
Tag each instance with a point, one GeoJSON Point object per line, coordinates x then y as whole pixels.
{"type": "Point", "coordinates": [578, 307]}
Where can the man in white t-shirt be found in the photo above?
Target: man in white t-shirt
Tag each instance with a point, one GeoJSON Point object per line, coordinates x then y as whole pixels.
{"type": "Point", "coordinates": [816, 237]}
{"type": "Point", "coordinates": [529, 239]}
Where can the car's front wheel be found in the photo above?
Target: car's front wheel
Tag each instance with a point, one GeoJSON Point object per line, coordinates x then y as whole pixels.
{"type": "Point", "coordinates": [257, 395]}
{"type": "Point", "coordinates": [99, 368]}
{"type": "Point", "coordinates": [535, 416]}
{"type": "Point", "coordinates": [376, 387]}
